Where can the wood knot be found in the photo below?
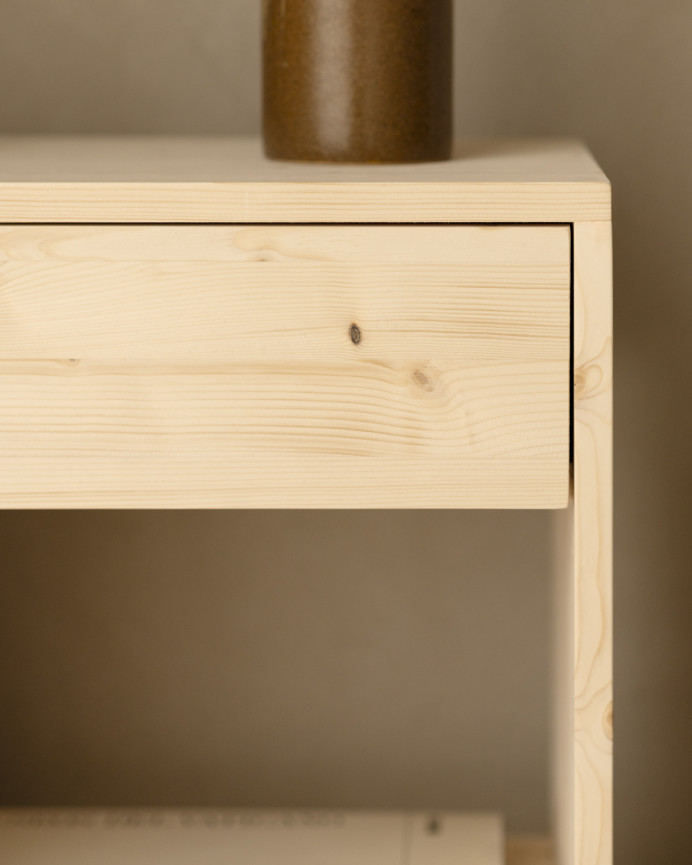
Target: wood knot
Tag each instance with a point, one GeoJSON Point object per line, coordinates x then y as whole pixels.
{"type": "Point", "coordinates": [588, 381]}
{"type": "Point", "coordinates": [579, 384]}
{"type": "Point", "coordinates": [355, 334]}
{"type": "Point", "coordinates": [422, 380]}
{"type": "Point", "coordinates": [608, 721]}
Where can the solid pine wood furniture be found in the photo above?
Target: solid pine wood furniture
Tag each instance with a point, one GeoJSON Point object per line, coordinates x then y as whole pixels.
{"type": "Point", "coordinates": [183, 324]}
{"type": "Point", "coordinates": [284, 366]}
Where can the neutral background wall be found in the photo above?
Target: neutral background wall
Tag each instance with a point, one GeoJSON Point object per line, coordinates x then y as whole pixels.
{"type": "Point", "coordinates": [331, 608]}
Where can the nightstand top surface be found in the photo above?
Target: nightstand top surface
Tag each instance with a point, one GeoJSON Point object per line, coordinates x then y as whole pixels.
{"type": "Point", "coordinates": [180, 179]}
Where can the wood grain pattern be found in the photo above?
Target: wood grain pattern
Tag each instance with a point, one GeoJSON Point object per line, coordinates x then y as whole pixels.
{"type": "Point", "coordinates": [227, 180]}
{"type": "Point", "coordinates": [593, 504]}
{"type": "Point", "coordinates": [584, 721]}
{"type": "Point", "coordinates": [226, 379]}
{"type": "Point", "coordinates": [474, 246]}
{"type": "Point", "coordinates": [562, 730]}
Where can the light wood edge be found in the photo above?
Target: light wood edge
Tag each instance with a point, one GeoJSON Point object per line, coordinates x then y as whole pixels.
{"type": "Point", "coordinates": [227, 179]}
{"type": "Point", "coordinates": [555, 202]}
{"type": "Point", "coordinates": [562, 744]}
{"type": "Point", "coordinates": [583, 803]}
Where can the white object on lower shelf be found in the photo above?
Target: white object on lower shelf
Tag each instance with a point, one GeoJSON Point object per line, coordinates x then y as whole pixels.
{"type": "Point", "coordinates": [224, 837]}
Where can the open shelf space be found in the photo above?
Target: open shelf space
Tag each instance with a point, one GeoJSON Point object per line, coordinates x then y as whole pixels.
{"type": "Point", "coordinates": [294, 659]}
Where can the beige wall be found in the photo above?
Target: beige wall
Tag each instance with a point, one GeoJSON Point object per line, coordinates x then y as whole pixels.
{"type": "Point", "coordinates": [348, 600]}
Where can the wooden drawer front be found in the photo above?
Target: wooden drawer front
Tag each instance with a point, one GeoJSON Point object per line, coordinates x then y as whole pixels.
{"type": "Point", "coordinates": [216, 366]}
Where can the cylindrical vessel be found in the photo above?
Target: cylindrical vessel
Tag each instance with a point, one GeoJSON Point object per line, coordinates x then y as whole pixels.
{"type": "Point", "coordinates": [358, 80]}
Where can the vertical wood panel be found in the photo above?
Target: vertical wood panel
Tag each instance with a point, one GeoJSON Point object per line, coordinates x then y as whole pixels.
{"type": "Point", "coordinates": [584, 809]}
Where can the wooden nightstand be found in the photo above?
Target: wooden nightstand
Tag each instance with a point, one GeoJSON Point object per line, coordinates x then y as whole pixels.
{"type": "Point", "coordinates": [183, 324]}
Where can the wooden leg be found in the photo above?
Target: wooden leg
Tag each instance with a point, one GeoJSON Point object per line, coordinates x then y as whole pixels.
{"type": "Point", "coordinates": [582, 759]}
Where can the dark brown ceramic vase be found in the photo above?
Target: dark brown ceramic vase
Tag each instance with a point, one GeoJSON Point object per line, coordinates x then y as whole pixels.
{"type": "Point", "coordinates": [358, 80]}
